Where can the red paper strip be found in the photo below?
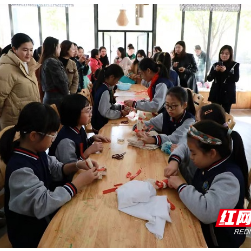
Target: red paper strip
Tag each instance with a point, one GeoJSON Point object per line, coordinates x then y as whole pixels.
{"type": "Point", "coordinates": [128, 175]}
{"type": "Point", "coordinates": [101, 169]}
{"type": "Point", "coordinates": [117, 185]}
{"type": "Point", "coordinates": [171, 204]}
{"type": "Point", "coordinates": [138, 172]}
{"type": "Point", "coordinates": [110, 190]}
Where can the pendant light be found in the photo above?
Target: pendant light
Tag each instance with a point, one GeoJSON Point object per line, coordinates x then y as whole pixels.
{"type": "Point", "coordinates": [122, 19]}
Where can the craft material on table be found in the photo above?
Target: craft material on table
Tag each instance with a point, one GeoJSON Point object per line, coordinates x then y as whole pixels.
{"type": "Point", "coordinates": [118, 156]}
{"type": "Point", "coordinates": [138, 198]}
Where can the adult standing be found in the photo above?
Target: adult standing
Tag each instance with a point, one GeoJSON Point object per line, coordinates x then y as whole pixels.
{"type": "Point", "coordinates": [184, 64]}
{"type": "Point", "coordinates": [54, 79]}
{"type": "Point", "coordinates": [130, 52]}
{"type": "Point", "coordinates": [68, 51]}
{"type": "Point", "coordinates": [125, 63]}
{"type": "Point", "coordinates": [18, 82]}
{"type": "Point", "coordinates": [103, 57]}
{"type": "Point", "coordinates": [224, 75]}
{"type": "Point", "coordinates": [134, 71]}
{"type": "Point", "coordinates": [201, 59]}
{"type": "Point", "coordinates": [95, 63]}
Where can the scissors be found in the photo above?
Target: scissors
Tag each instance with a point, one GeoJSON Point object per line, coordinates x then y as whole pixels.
{"type": "Point", "coordinates": [118, 156]}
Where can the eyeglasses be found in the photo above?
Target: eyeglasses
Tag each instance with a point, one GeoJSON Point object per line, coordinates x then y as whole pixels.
{"type": "Point", "coordinates": [170, 107]}
{"type": "Point", "coordinates": [53, 137]}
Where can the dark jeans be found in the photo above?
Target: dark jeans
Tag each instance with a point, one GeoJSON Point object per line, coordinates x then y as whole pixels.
{"type": "Point", "coordinates": [53, 98]}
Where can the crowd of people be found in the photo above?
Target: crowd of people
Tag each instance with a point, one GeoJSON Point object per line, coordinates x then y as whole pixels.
{"type": "Point", "coordinates": [209, 155]}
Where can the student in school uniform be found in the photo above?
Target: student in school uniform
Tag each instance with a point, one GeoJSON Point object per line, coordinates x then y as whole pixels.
{"type": "Point", "coordinates": [220, 182]}
{"type": "Point", "coordinates": [29, 201]}
{"type": "Point", "coordinates": [156, 79]}
{"type": "Point", "coordinates": [179, 159]}
{"type": "Point", "coordinates": [174, 122]}
{"type": "Point", "coordinates": [103, 108]}
{"type": "Point", "coordinates": [75, 112]}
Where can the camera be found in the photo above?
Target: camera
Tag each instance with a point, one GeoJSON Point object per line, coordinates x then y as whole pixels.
{"type": "Point", "coordinates": [220, 63]}
{"type": "Point", "coordinates": [86, 56]}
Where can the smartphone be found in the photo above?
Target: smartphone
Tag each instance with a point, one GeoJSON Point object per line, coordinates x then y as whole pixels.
{"type": "Point", "coordinates": [86, 56]}
{"type": "Point", "coordinates": [220, 63]}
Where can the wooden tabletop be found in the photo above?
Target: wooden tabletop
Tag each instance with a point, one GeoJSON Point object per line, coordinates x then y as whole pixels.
{"type": "Point", "coordinates": [135, 90]}
{"type": "Point", "coordinates": [92, 219]}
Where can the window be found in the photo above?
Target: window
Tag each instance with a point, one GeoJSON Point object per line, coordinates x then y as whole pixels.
{"type": "Point", "coordinates": [53, 23]}
{"type": "Point", "coordinates": [243, 55]}
{"type": "Point", "coordinates": [81, 26]}
{"type": "Point", "coordinates": [5, 33]}
{"type": "Point", "coordinates": [168, 26]}
{"type": "Point", "coordinates": [25, 20]}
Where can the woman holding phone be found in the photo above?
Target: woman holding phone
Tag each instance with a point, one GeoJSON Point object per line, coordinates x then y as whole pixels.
{"type": "Point", "coordinates": [224, 74]}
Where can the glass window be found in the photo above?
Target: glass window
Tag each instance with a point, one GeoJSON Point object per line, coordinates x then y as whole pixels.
{"type": "Point", "coordinates": [168, 26]}
{"type": "Point", "coordinates": [53, 23]}
{"type": "Point", "coordinates": [108, 14]}
{"type": "Point", "coordinates": [25, 20]}
{"type": "Point", "coordinates": [5, 32]}
{"type": "Point", "coordinates": [223, 32]}
{"type": "Point", "coordinates": [243, 55]}
{"type": "Point", "coordinates": [80, 33]}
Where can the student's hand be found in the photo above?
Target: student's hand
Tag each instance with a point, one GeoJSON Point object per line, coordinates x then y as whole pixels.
{"type": "Point", "coordinates": [125, 112]}
{"type": "Point", "coordinates": [87, 61]}
{"type": "Point", "coordinates": [95, 164]}
{"type": "Point", "coordinates": [85, 178]}
{"type": "Point", "coordinates": [146, 138]}
{"type": "Point", "coordinates": [128, 103]}
{"type": "Point", "coordinates": [175, 182]}
{"type": "Point", "coordinates": [171, 169]}
{"type": "Point", "coordinates": [82, 165]}
{"type": "Point", "coordinates": [101, 138]}
{"type": "Point", "coordinates": [173, 147]}
{"type": "Point", "coordinates": [95, 147]}
{"type": "Point", "coordinates": [175, 64]}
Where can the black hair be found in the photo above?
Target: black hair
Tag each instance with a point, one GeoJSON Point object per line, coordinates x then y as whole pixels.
{"type": "Point", "coordinates": [238, 154]}
{"type": "Point", "coordinates": [94, 76]}
{"type": "Point", "coordinates": [65, 47]}
{"type": "Point", "coordinates": [183, 52]}
{"type": "Point", "coordinates": [6, 49]}
{"type": "Point", "coordinates": [230, 49]}
{"type": "Point", "coordinates": [49, 49]}
{"type": "Point", "coordinates": [165, 59]}
{"type": "Point", "coordinates": [142, 53]}
{"type": "Point", "coordinates": [101, 48]}
{"type": "Point", "coordinates": [148, 63]}
{"type": "Point", "coordinates": [33, 117]}
{"type": "Point", "coordinates": [213, 112]}
{"type": "Point", "coordinates": [157, 48]}
{"type": "Point", "coordinates": [37, 53]}
{"type": "Point", "coordinates": [94, 53]}
{"type": "Point", "coordinates": [155, 56]}
{"type": "Point", "coordinates": [70, 109]}
{"type": "Point", "coordinates": [130, 46]}
{"type": "Point", "coordinates": [122, 51]}
{"type": "Point", "coordinates": [112, 69]}
{"type": "Point", "coordinates": [183, 95]}
{"type": "Point", "coordinates": [20, 38]}
{"type": "Point", "coordinates": [75, 44]}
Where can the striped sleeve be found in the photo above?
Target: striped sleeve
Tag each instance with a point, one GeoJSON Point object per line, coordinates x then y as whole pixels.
{"type": "Point", "coordinates": [174, 157]}
{"type": "Point", "coordinates": [158, 140]}
{"type": "Point", "coordinates": [71, 189]}
{"type": "Point", "coordinates": [181, 187]}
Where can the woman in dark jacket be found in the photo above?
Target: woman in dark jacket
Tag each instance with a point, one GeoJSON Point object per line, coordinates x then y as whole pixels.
{"type": "Point", "coordinates": [54, 79]}
{"type": "Point", "coordinates": [224, 74]}
{"type": "Point", "coordinates": [184, 64]}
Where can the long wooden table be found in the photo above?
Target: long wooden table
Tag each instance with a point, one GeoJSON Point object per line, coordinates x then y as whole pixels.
{"type": "Point", "coordinates": [92, 219]}
{"type": "Point", "coordinates": [134, 91]}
